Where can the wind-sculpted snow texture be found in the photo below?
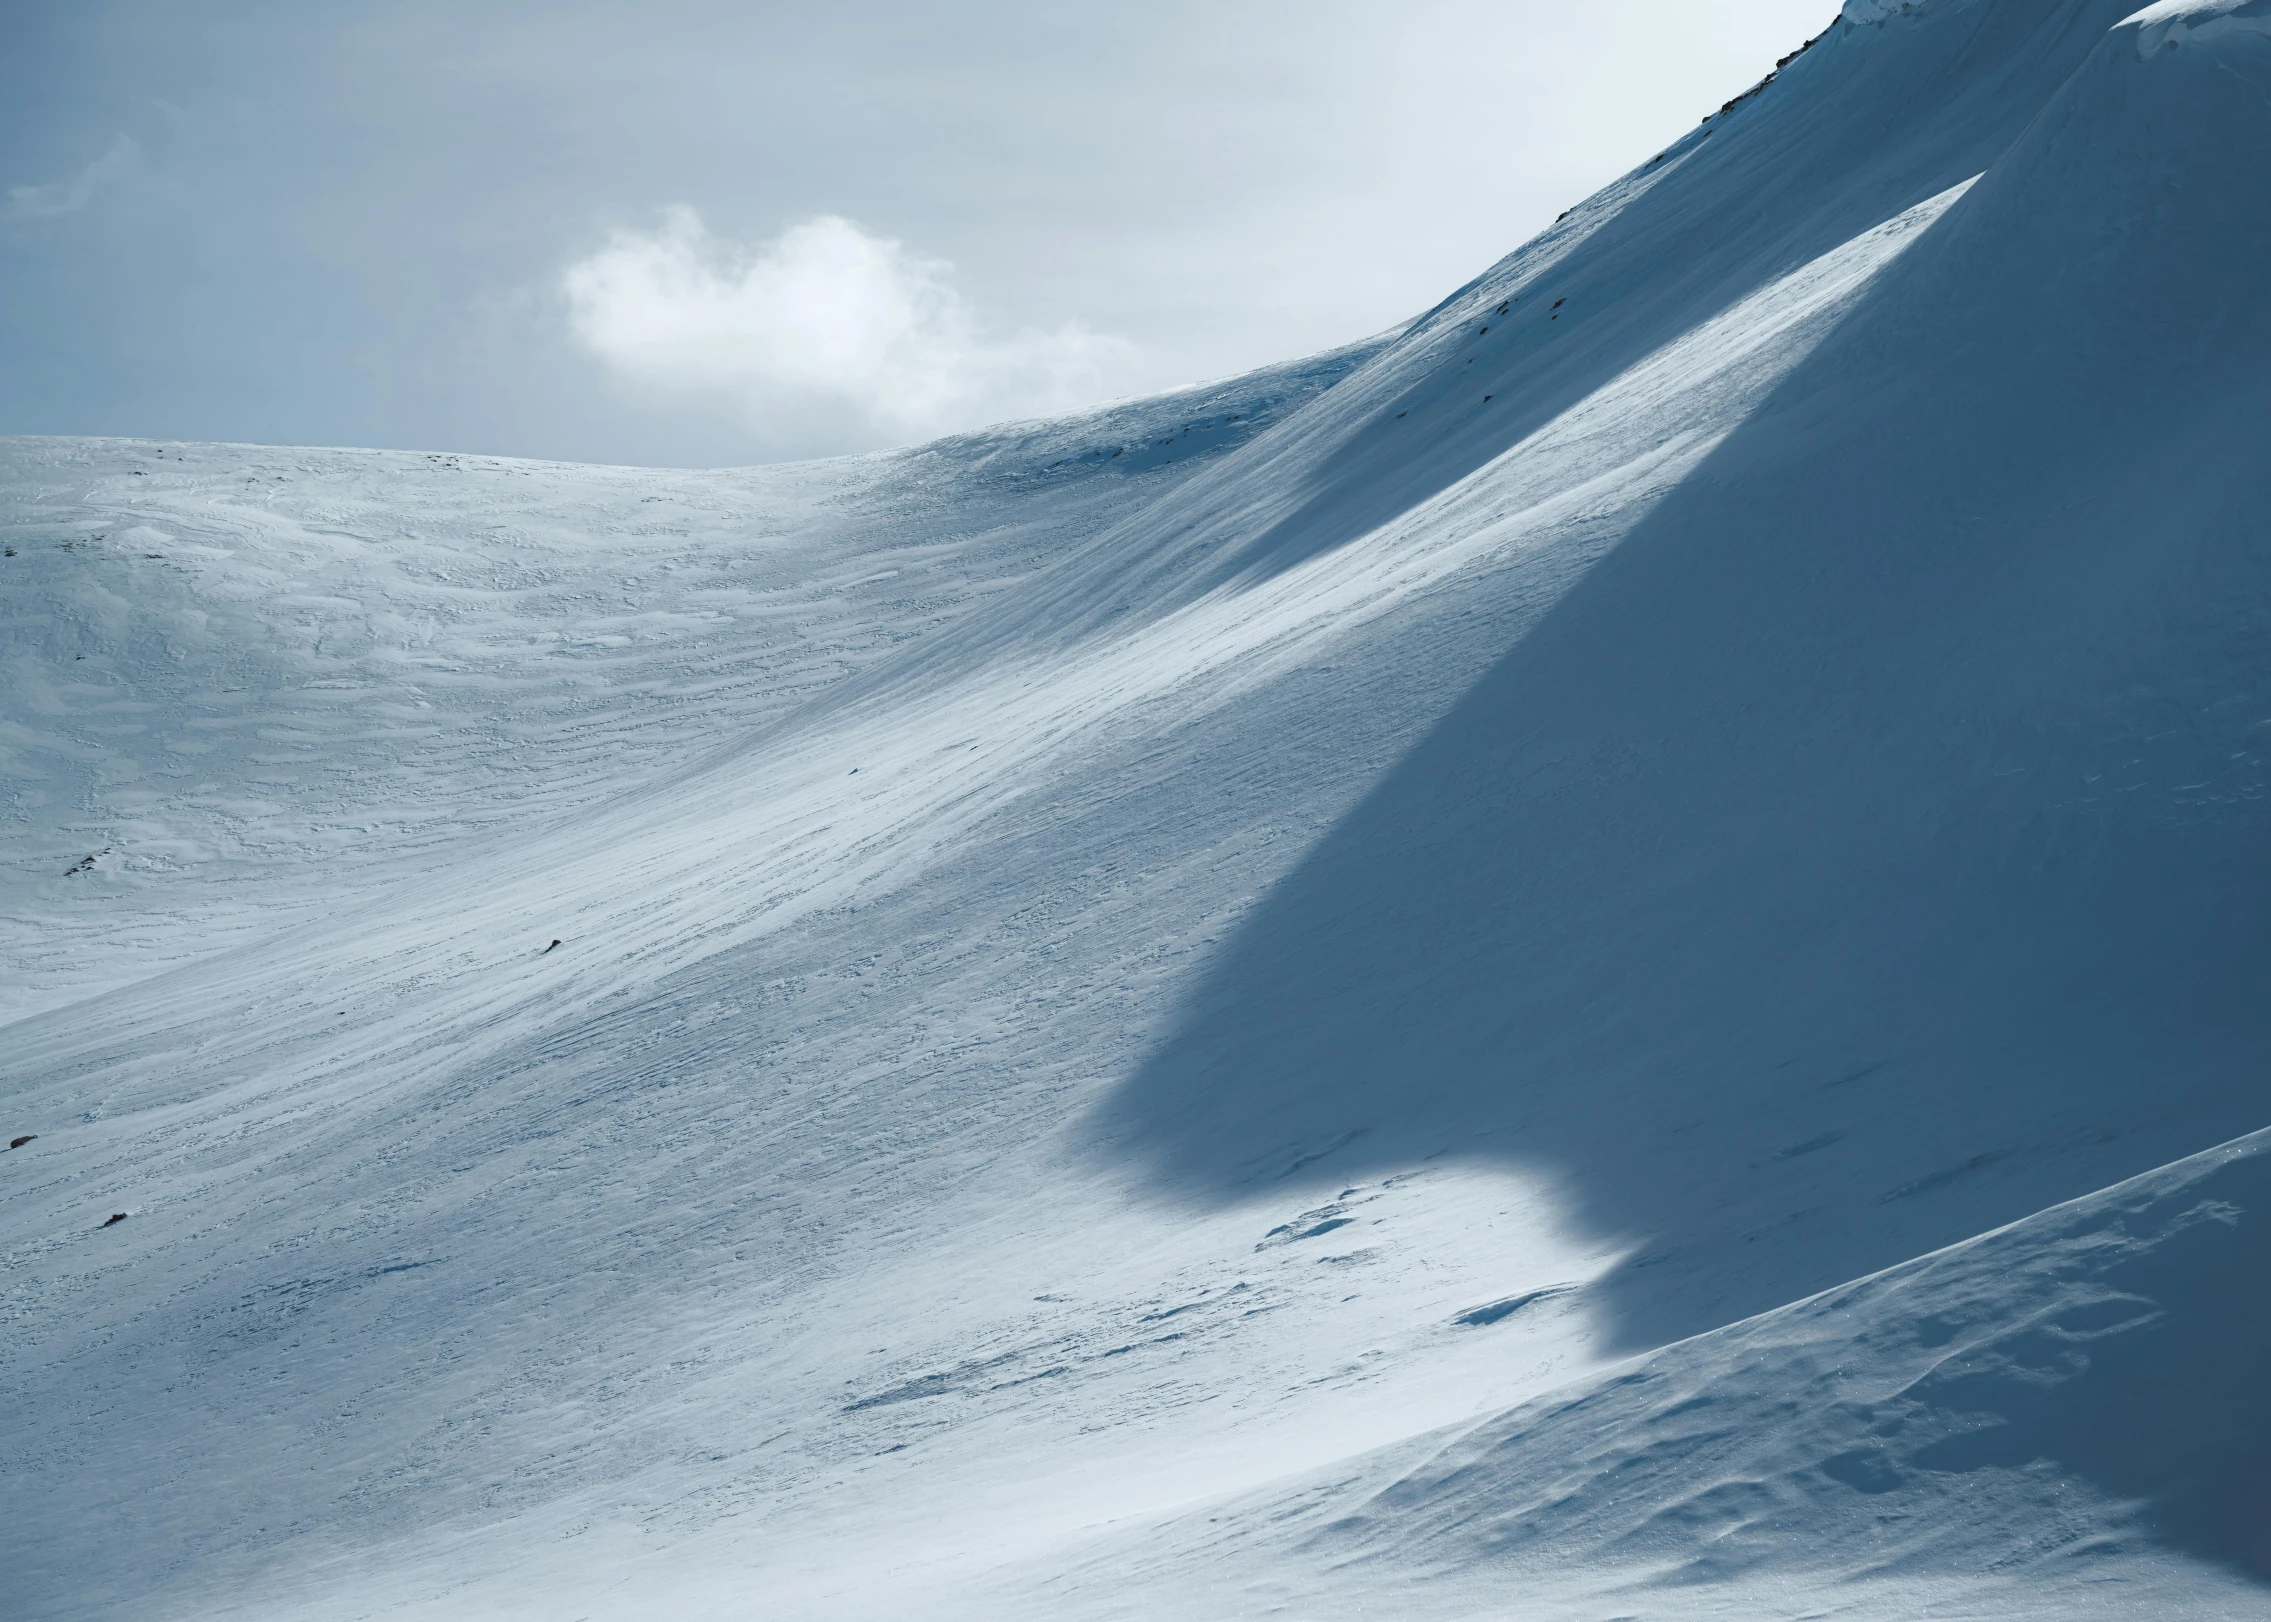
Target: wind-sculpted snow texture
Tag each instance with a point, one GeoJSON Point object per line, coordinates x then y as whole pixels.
{"type": "Point", "coordinates": [1936, 1416]}
{"type": "Point", "coordinates": [1297, 999]}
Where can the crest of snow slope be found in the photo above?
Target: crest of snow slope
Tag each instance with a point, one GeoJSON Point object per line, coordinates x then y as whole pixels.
{"type": "Point", "coordinates": [2173, 24]}
{"type": "Point", "coordinates": [765, 1247]}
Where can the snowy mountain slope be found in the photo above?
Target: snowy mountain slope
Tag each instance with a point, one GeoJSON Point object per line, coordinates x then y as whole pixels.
{"type": "Point", "coordinates": [1372, 927]}
{"type": "Point", "coordinates": [245, 680]}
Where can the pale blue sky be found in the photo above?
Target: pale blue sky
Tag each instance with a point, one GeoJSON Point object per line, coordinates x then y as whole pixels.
{"type": "Point", "coordinates": [558, 229]}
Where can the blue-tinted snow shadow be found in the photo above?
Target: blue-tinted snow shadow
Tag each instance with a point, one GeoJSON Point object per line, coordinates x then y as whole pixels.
{"type": "Point", "coordinates": [1871, 849]}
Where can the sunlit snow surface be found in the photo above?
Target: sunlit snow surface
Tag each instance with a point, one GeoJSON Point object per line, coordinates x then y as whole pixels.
{"type": "Point", "coordinates": [1351, 993]}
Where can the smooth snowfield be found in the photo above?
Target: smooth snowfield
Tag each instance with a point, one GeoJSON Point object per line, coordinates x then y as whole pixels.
{"type": "Point", "coordinates": [1388, 1002]}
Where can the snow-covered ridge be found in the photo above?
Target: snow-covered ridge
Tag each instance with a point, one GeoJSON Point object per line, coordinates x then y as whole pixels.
{"type": "Point", "coordinates": [2172, 23]}
{"type": "Point", "coordinates": [1860, 13]}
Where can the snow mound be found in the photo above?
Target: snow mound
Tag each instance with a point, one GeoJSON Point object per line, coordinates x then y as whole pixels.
{"type": "Point", "coordinates": [1948, 1414]}
{"type": "Point", "coordinates": [2112, 1340]}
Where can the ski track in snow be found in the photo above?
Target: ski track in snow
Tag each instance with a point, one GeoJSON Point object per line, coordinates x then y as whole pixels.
{"type": "Point", "coordinates": [841, 1219]}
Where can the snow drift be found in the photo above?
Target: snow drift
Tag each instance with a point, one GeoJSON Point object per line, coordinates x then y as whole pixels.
{"type": "Point", "coordinates": [1941, 1414]}
{"type": "Point", "coordinates": [1145, 1008]}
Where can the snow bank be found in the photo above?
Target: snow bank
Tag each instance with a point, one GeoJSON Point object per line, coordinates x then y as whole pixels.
{"type": "Point", "coordinates": [2110, 1341]}
{"type": "Point", "coordinates": [2095, 1365]}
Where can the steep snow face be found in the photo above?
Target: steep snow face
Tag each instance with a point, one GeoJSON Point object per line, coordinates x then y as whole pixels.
{"type": "Point", "coordinates": [909, 1012]}
{"type": "Point", "coordinates": [1892, 655]}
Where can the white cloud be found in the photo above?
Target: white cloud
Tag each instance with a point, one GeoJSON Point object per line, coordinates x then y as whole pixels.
{"type": "Point", "coordinates": [827, 316]}
{"type": "Point", "coordinates": [70, 196]}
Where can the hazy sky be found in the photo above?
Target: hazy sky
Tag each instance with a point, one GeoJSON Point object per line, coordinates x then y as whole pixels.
{"type": "Point", "coordinates": [692, 232]}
